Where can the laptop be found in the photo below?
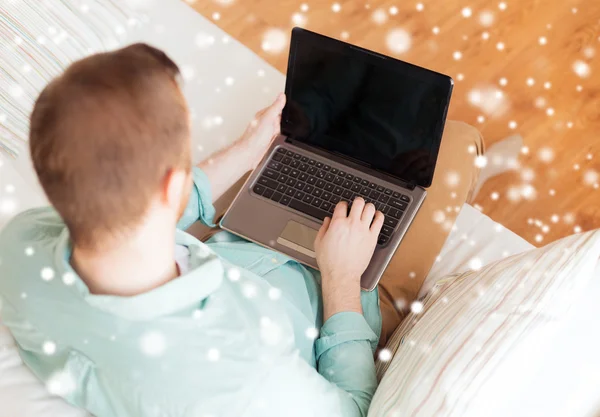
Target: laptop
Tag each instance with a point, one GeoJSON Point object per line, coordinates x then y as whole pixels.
{"type": "Point", "coordinates": [356, 123]}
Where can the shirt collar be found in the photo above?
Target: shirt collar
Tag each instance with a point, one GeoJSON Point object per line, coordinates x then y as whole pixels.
{"type": "Point", "coordinates": [204, 278]}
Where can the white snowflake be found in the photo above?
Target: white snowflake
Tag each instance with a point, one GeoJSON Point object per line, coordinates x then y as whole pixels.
{"type": "Point", "coordinates": [379, 16]}
{"type": "Point", "coordinates": [68, 278]}
{"type": "Point", "coordinates": [581, 68]}
{"type": "Point", "coordinates": [546, 154]}
{"type": "Point", "coordinates": [61, 383]}
{"type": "Point", "coordinates": [398, 40]}
{"type": "Point", "coordinates": [249, 290]}
{"type": "Point", "coordinates": [591, 177]}
{"type": "Point", "coordinates": [420, 7]}
{"type": "Point", "coordinates": [486, 18]}
{"type": "Point", "coordinates": [29, 251]}
{"type": "Point", "coordinates": [416, 307]}
{"type": "Point", "coordinates": [49, 347]}
{"type": "Point", "coordinates": [452, 178]}
{"type": "Point", "coordinates": [204, 40]}
{"type": "Point", "coordinates": [47, 274]}
{"type": "Point", "coordinates": [312, 333]}
{"type": "Point", "coordinates": [299, 19]}
{"type": "Point", "coordinates": [439, 216]}
{"type": "Point", "coordinates": [466, 12]}
{"type": "Point", "coordinates": [234, 274]}
{"type": "Point", "coordinates": [213, 354]}
{"type": "Point", "coordinates": [229, 81]}
{"type": "Point", "coordinates": [335, 7]}
{"type": "Point", "coordinates": [457, 55]}
{"type": "Point", "coordinates": [385, 355]}
{"type": "Point", "coordinates": [542, 40]}
{"type": "Point", "coordinates": [274, 41]}
{"type": "Point", "coordinates": [153, 343]}
{"type": "Point", "coordinates": [274, 293]}
{"type": "Point", "coordinates": [475, 264]}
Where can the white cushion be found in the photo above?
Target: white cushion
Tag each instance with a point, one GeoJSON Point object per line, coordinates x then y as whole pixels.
{"type": "Point", "coordinates": [488, 341]}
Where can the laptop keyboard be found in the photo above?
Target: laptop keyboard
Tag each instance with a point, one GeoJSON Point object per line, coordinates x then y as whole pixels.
{"type": "Point", "coordinates": [314, 188]}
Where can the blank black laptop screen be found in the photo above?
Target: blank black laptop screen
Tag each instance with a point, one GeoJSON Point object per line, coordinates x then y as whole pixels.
{"type": "Point", "coordinates": [381, 111]}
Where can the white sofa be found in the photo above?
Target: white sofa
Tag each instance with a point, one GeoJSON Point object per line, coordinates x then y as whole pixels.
{"type": "Point", "coordinates": [221, 109]}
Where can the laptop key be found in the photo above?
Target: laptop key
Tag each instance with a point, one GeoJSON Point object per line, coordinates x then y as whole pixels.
{"type": "Point", "coordinates": [356, 188]}
{"type": "Point", "coordinates": [294, 173]}
{"type": "Point", "coordinates": [395, 213]}
{"type": "Point", "coordinates": [311, 162]}
{"type": "Point", "coordinates": [290, 192]}
{"type": "Point", "coordinates": [364, 183]}
{"type": "Point", "coordinates": [326, 168]}
{"type": "Point", "coordinates": [317, 202]}
{"type": "Point", "coordinates": [281, 188]}
{"type": "Point", "coordinates": [405, 198]}
{"type": "Point", "coordinates": [304, 159]}
{"type": "Point", "coordinates": [338, 181]}
{"type": "Point", "coordinates": [357, 179]}
{"type": "Point", "coordinates": [372, 185]}
{"type": "Point", "coordinates": [303, 167]}
{"type": "Point", "coordinates": [291, 182]}
{"type": "Point", "coordinates": [297, 156]}
{"type": "Point", "coordinates": [374, 195]}
{"type": "Point", "coordinates": [295, 164]}
{"type": "Point", "coordinates": [287, 160]}
{"type": "Point", "coordinates": [326, 196]}
{"type": "Point", "coordinates": [308, 209]}
{"type": "Point", "coordinates": [334, 171]}
{"type": "Point", "coordinates": [342, 173]}
{"type": "Point", "coordinates": [270, 173]}
{"type": "Point", "coordinates": [278, 157]}
{"type": "Point", "coordinates": [338, 190]}
{"type": "Point", "coordinates": [312, 170]}
{"type": "Point", "coordinates": [396, 194]}
{"type": "Point", "coordinates": [386, 230]}
{"type": "Point", "coordinates": [349, 177]}
{"type": "Point", "coordinates": [382, 240]}
{"type": "Point", "coordinates": [282, 178]}
{"type": "Point", "coordinates": [320, 184]}
{"type": "Point", "coordinates": [276, 196]}
{"type": "Point", "coordinates": [329, 187]}
{"type": "Point", "coordinates": [259, 189]}
{"type": "Point", "coordinates": [347, 194]}
{"type": "Point", "coordinates": [299, 195]}
{"type": "Point", "coordinates": [387, 191]}
{"type": "Point", "coordinates": [289, 153]}
{"type": "Point", "coordinates": [285, 200]}
{"type": "Point", "coordinates": [286, 170]}
{"type": "Point", "coordinates": [317, 192]}
{"type": "Point", "coordinates": [385, 209]}
{"type": "Point", "coordinates": [397, 204]}
{"type": "Point", "coordinates": [384, 198]}
{"type": "Point", "coordinates": [334, 199]}
{"type": "Point", "coordinates": [299, 185]}
{"type": "Point", "coordinates": [308, 189]}
{"type": "Point", "coordinates": [347, 184]}
{"type": "Point", "coordinates": [275, 165]}
{"type": "Point", "coordinates": [311, 180]}
{"type": "Point", "coordinates": [307, 198]}
{"type": "Point", "coordinates": [268, 193]}
{"type": "Point", "coordinates": [280, 150]}
{"type": "Point", "coordinates": [303, 177]}
{"type": "Point", "coordinates": [267, 182]}
{"type": "Point", "coordinates": [380, 188]}
{"type": "Point", "coordinates": [321, 174]}
{"type": "Point", "coordinates": [319, 165]}
{"type": "Point", "coordinates": [390, 221]}
{"type": "Point", "coordinates": [326, 205]}
{"type": "Point", "coordinates": [365, 191]}
{"type": "Point", "coordinates": [329, 177]}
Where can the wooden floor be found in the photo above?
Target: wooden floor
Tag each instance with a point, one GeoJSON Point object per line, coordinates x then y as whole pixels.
{"type": "Point", "coordinates": [526, 67]}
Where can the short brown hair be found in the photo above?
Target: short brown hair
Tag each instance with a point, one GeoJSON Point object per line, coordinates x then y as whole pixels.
{"type": "Point", "coordinates": [104, 135]}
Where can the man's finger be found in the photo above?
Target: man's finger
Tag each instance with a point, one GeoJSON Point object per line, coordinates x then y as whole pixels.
{"type": "Point", "coordinates": [277, 106]}
{"type": "Point", "coordinates": [368, 213]}
{"type": "Point", "coordinates": [357, 208]}
{"type": "Point", "coordinates": [341, 210]}
{"type": "Point", "coordinates": [377, 223]}
{"type": "Point", "coordinates": [323, 229]}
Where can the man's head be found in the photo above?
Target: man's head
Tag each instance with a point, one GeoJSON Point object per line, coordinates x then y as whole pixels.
{"type": "Point", "coordinates": [110, 139]}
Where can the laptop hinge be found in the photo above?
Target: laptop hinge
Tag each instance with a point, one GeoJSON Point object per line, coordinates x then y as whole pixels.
{"type": "Point", "coordinates": [411, 185]}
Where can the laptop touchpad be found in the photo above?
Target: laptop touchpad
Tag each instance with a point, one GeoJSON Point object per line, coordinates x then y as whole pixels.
{"type": "Point", "coordinates": [299, 237]}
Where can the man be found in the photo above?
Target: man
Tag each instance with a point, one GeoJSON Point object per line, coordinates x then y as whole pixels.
{"type": "Point", "coordinates": [122, 313]}
{"type": "Point", "coordinates": [125, 315]}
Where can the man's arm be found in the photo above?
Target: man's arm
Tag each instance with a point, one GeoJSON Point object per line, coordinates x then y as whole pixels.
{"type": "Point", "coordinates": [227, 166]}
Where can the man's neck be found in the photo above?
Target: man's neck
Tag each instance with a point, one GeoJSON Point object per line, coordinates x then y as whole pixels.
{"type": "Point", "coordinates": [131, 265]}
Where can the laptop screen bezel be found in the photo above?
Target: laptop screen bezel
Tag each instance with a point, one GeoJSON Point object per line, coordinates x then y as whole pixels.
{"type": "Point", "coordinates": [401, 67]}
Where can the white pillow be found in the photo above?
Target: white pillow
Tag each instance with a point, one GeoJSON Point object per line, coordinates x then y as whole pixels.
{"type": "Point", "coordinates": [484, 339]}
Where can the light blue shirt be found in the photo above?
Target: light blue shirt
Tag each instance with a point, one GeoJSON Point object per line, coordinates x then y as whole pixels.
{"type": "Point", "coordinates": [240, 334]}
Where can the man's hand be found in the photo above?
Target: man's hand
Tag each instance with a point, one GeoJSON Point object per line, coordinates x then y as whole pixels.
{"type": "Point", "coordinates": [344, 247]}
{"type": "Point", "coordinates": [262, 130]}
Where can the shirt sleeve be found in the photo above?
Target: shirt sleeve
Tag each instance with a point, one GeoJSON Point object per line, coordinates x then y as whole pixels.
{"type": "Point", "coordinates": [345, 382]}
{"type": "Point", "coordinates": [344, 353]}
{"type": "Point", "coordinates": [200, 206]}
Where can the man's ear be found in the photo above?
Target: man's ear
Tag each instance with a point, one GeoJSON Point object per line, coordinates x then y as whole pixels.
{"type": "Point", "coordinates": [175, 188]}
